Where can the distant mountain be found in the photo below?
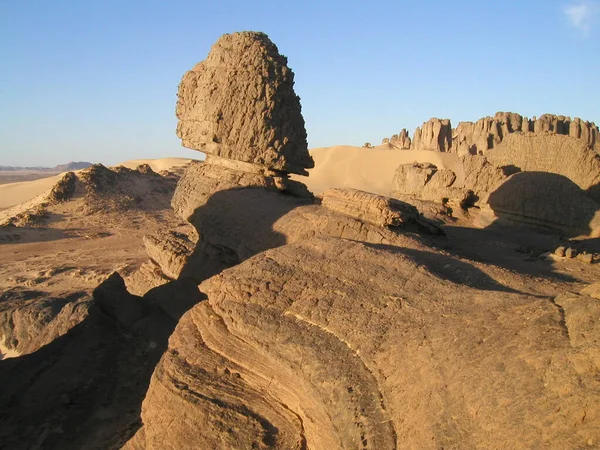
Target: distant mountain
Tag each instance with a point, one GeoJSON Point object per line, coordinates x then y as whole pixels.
{"type": "Point", "coordinates": [73, 165]}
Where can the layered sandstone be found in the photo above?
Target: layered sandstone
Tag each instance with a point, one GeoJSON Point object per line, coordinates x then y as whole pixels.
{"type": "Point", "coordinates": [331, 343]}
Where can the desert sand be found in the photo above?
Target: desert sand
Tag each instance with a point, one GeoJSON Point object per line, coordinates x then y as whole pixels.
{"type": "Point", "coordinates": [156, 164]}
{"type": "Point", "coordinates": [367, 169]}
{"type": "Point", "coordinates": [12, 194]}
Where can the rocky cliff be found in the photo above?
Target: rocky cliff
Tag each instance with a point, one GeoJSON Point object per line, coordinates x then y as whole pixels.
{"type": "Point", "coordinates": [487, 133]}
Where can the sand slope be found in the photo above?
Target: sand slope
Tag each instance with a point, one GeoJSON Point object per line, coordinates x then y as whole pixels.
{"type": "Point", "coordinates": [370, 170]}
{"type": "Point", "coordinates": [15, 193]}
{"type": "Point", "coordinates": [12, 194]}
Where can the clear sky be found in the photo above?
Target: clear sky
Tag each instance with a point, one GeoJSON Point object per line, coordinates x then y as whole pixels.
{"type": "Point", "coordinates": [96, 80]}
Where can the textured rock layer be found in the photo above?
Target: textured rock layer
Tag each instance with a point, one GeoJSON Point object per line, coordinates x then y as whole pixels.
{"type": "Point", "coordinates": [333, 344]}
{"type": "Point", "coordinates": [240, 104]}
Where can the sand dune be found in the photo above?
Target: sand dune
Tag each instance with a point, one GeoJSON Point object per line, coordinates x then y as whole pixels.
{"type": "Point", "coordinates": [156, 164]}
{"type": "Point", "coordinates": [12, 194]}
{"type": "Point", "coordinates": [370, 170]}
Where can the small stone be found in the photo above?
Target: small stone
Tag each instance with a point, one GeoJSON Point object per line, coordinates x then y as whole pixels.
{"type": "Point", "coordinates": [570, 252]}
{"type": "Point", "coordinates": [560, 251]}
{"type": "Point", "coordinates": [585, 257]}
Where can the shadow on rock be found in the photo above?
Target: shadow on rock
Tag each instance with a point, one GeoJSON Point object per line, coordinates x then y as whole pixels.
{"type": "Point", "coordinates": [234, 225]}
{"type": "Point", "coordinates": [511, 247]}
{"type": "Point", "coordinates": [83, 390]}
{"type": "Point", "coordinates": [546, 200]}
{"type": "Point", "coordinates": [448, 268]}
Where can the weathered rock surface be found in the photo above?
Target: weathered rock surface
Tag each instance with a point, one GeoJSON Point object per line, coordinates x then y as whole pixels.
{"type": "Point", "coordinates": [401, 141]}
{"type": "Point", "coordinates": [202, 180]}
{"type": "Point", "coordinates": [170, 250]}
{"type": "Point", "coordinates": [330, 343]}
{"type": "Point", "coordinates": [558, 188]}
{"type": "Point", "coordinates": [562, 155]}
{"type": "Point", "coordinates": [240, 104]}
{"type": "Point", "coordinates": [425, 182]}
{"type": "Point", "coordinates": [148, 276]}
{"type": "Point", "coordinates": [119, 188]}
{"type": "Point", "coordinates": [547, 200]}
{"type": "Point", "coordinates": [477, 174]}
{"type": "Point", "coordinates": [31, 319]}
{"type": "Point", "coordinates": [81, 389]}
{"type": "Point", "coordinates": [476, 138]}
{"type": "Point", "coordinates": [410, 179]}
{"type": "Point", "coordinates": [376, 209]}
{"type": "Point", "coordinates": [435, 134]}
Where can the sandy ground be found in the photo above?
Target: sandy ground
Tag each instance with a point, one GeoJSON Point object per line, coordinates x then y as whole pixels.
{"type": "Point", "coordinates": [368, 169]}
{"type": "Point", "coordinates": [16, 193]}
{"type": "Point", "coordinates": [6, 353]}
{"type": "Point", "coordinates": [12, 194]}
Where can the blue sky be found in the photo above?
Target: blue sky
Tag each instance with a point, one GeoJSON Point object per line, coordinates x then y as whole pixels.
{"type": "Point", "coordinates": [97, 80]}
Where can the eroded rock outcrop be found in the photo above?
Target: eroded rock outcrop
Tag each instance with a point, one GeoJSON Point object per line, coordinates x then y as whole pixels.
{"type": "Point", "coordinates": [546, 200]}
{"type": "Point", "coordinates": [31, 319]}
{"type": "Point", "coordinates": [423, 181]}
{"type": "Point", "coordinates": [558, 189]}
{"type": "Point", "coordinates": [239, 103]}
{"type": "Point", "coordinates": [435, 134]}
{"type": "Point", "coordinates": [562, 155]}
{"type": "Point", "coordinates": [331, 343]}
{"type": "Point", "coordinates": [476, 138]}
{"type": "Point", "coordinates": [376, 209]}
{"type": "Point", "coordinates": [401, 141]}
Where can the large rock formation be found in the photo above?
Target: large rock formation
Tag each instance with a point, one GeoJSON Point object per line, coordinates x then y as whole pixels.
{"type": "Point", "coordinates": [562, 155]}
{"type": "Point", "coordinates": [546, 200]}
{"type": "Point", "coordinates": [239, 107]}
{"type": "Point", "coordinates": [331, 343]}
{"type": "Point", "coordinates": [476, 138]}
{"type": "Point", "coordinates": [540, 198]}
{"type": "Point", "coordinates": [467, 183]}
{"type": "Point", "coordinates": [435, 134]}
{"type": "Point", "coordinates": [401, 141]}
{"type": "Point", "coordinates": [511, 143]}
{"type": "Point", "coordinates": [240, 104]}
{"type": "Point", "coordinates": [376, 209]}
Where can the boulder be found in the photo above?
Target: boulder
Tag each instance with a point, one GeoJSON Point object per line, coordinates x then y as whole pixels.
{"type": "Point", "coordinates": [376, 209]}
{"type": "Point", "coordinates": [170, 250]}
{"type": "Point", "coordinates": [240, 104]}
{"type": "Point", "coordinates": [410, 179]}
{"type": "Point", "coordinates": [423, 181]}
{"type": "Point", "coordinates": [477, 174]}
